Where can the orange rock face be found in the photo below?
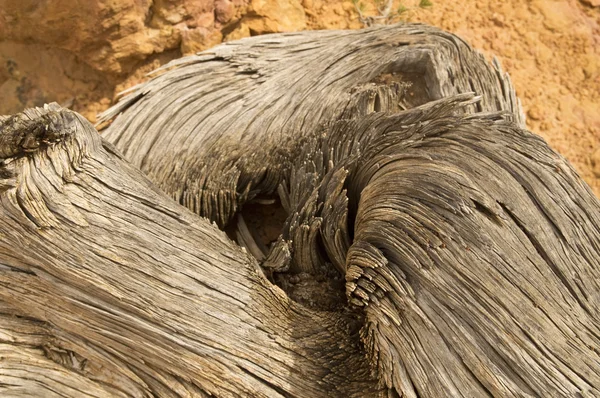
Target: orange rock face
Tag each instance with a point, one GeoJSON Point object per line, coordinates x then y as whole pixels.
{"type": "Point", "coordinates": [81, 53]}
{"type": "Point", "coordinates": [78, 52]}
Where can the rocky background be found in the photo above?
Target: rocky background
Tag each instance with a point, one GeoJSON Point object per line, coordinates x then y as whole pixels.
{"type": "Point", "coordinates": [80, 53]}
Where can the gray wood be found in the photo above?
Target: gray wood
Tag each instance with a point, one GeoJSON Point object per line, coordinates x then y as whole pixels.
{"type": "Point", "coordinates": [158, 301]}
{"type": "Point", "coordinates": [468, 249]}
{"type": "Point", "coordinates": [218, 128]}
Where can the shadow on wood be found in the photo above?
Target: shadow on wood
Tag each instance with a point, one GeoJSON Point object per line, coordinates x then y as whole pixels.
{"type": "Point", "coordinates": [432, 247]}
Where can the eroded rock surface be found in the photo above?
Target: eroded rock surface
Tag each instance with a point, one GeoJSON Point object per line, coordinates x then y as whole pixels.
{"type": "Point", "coordinates": [81, 56]}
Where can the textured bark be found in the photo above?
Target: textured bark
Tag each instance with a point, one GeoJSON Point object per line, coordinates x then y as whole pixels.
{"type": "Point", "coordinates": [241, 111]}
{"type": "Point", "coordinates": [468, 250]}
{"type": "Point", "coordinates": [153, 298]}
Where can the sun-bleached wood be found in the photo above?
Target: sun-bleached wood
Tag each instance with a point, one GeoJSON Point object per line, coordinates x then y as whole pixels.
{"type": "Point", "coordinates": [469, 249]}
{"type": "Point", "coordinates": [151, 299]}
{"type": "Point", "coordinates": [216, 129]}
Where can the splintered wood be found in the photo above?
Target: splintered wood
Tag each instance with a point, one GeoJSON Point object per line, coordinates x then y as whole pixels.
{"type": "Point", "coordinates": [431, 246]}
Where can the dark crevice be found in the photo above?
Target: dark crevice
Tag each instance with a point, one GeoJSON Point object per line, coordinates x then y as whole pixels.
{"type": "Point", "coordinates": [414, 86]}
{"type": "Point", "coordinates": [14, 269]}
{"type": "Point", "coordinates": [377, 103]}
{"type": "Point", "coordinates": [8, 385]}
{"type": "Point", "coordinates": [229, 28]}
{"type": "Point", "coordinates": [264, 217]}
{"type": "Point", "coordinates": [263, 227]}
{"type": "Point", "coordinates": [478, 103]}
{"type": "Point", "coordinates": [487, 212]}
{"type": "Point", "coordinates": [278, 389]}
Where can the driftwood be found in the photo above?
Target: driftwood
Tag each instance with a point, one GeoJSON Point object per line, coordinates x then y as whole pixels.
{"type": "Point", "coordinates": [432, 247]}
{"type": "Point", "coordinates": [242, 110]}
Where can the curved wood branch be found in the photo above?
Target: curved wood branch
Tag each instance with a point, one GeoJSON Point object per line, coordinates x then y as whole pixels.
{"type": "Point", "coordinates": [218, 128]}
{"type": "Point", "coordinates": [468, 248]}
{"type": "Point", "coordinates": [153, 299]}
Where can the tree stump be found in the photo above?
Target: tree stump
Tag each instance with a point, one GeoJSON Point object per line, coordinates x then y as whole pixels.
{"type": "Point", "coordinates": [426, 244]}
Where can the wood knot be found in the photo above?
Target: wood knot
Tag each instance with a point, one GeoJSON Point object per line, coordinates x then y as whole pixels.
{"type": "Point", "coordinates": [34, 129]}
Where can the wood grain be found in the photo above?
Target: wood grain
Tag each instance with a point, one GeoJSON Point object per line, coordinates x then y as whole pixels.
{"type": "Point", "coordinates": [216, 129]}
{"type": "Point", "coordinates": [468, 250]}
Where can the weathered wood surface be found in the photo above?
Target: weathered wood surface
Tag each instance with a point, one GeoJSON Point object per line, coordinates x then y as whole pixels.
{"type": "Point", "coordinates": [469, 248]}
{"type": "Point", "coordinates": [157, 300]}
{"type": "Point", "coordinates": [221, 126]}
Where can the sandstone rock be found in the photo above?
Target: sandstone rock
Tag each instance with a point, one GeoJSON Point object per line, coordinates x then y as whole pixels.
{"type": "Point", "coordinates": [92, 48]}
{"type": "Point", "coordinates": [31, 74]}
{"type": "Point", "coordinates": [595, 162]}
{"type": "Point", "coordinates": [88, 48]}
{"type": "Point", "coordinates": [270, 16]}
{"type": "Point", "coordinates": [112, 36]}
{"type": "Point", "coordinates": [193, 13]}
{"type": "Point", "coordinates": [199, 39]}
{"type": "Point", "coordinates": [535, 113]}
{"type": "Point", "coordinates": [227, 11]}
{"type": "Point", "coordinates": [9, 95]}
{"type": "Point", "coordinates": [86, 30]}
{"type": "Point", "coordinates": [558, 15]}
{"type": "Point", "coordinates": [238, 33]}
